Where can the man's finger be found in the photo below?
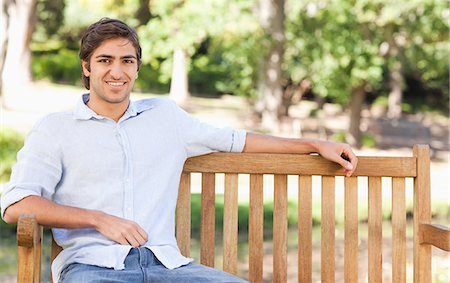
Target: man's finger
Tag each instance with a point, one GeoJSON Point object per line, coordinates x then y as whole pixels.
{"type": "Point", "coordinates": [345, 162]}
{"type": "Point", "coordinates": [141, 240]}
{"type": "Point", "coordinates": [143, 234]}
{"type": "Point", "coordinates": [131, 240]}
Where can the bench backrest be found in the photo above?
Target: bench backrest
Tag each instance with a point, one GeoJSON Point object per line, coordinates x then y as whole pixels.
{"type": "Point", "coordinates": [305, 166]}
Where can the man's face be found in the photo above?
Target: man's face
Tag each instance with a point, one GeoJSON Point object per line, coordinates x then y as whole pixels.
{"type": "Point", "coordinates": [113, 70]}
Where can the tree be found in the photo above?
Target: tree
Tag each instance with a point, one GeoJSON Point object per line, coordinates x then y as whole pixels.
{"type": "Point", "coordinates": [271, 15]}
{"type": "Point", "coordinates": [348, 48]}
{"type": "Point", "coordinates": [16, 73]}
{"type": "Point", "coordinates": [175, 33]}
{"type": "Point", "coordinates": [3, 34]}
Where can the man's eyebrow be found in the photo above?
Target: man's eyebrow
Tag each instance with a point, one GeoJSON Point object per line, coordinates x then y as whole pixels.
{"type": "Point", "coordinates": [110, 56]}
{"type": "Point", "coordinates": [104, 56]}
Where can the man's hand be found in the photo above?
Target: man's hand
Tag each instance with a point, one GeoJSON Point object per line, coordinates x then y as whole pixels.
{"type": "Point", "coordinates": [122, 231]}
{"type": "Point", "coordinates": [340, 153]}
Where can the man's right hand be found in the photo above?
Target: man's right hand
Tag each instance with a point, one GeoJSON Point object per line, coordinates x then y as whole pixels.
{"type": "Point", "coordinates": [122, 231]}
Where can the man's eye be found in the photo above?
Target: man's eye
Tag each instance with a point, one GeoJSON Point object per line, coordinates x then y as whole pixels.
{"type": "Point", "coordinates": [129, 61]}
{"type": "Point", "coordinates": [104, 60]}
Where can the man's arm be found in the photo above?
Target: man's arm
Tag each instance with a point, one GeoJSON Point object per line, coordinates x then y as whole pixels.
{"type": "Point", "coordinates": [50, 214]}
{"type": "Point", "coordinates": [336, 152]}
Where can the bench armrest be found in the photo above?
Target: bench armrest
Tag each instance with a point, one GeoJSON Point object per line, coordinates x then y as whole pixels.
{"type": "Point", "coordinates": [29, 235]}
{"type": "Point", "coordinates": [436, 235]}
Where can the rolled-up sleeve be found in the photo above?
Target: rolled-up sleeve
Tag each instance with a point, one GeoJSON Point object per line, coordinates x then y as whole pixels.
{"type": "Point", "coordinates": [38, 169]}
{"type": "Point", "coordinates": [201, 138]}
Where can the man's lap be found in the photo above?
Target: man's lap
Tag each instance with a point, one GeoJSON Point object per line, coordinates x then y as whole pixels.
{"type": "Point", "coordinates": [142, 266]}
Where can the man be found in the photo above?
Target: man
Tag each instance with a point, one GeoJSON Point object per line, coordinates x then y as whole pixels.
{"type": "Point", "coordinates": [105, 176]}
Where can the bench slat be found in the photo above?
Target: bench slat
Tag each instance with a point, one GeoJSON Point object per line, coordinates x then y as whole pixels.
{"type": "Point", "coordinates": [351, 230]}
{"type": "Point", "coordinates": [183, 215]}
{"type": "Point", "coordinates": [328, 230]}
{"type": "Point", "coordinates": [230, 223]}
{"type": "Point", "coordinates": [375, 230]}
{"type": "Point", "coordinates": [422, 214]}
{"type": "Point", "coordinates": [298, 164]}
{"type": "Point", "coordinates": [280, 229]}
{"type": "Point", "coordinates": [305, 229]}
{"type": "Point", "coordinates": [398, 231]}
{"type": "Point", "coordinates": [256, 226]}
{"type": "Point", "coordinates": [208, 219]}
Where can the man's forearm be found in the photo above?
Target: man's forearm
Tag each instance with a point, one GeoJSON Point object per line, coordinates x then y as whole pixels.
{"type": "Point", "coordinates": [271, 144]}
{"type": "Point", "coordinates": [336, 152]}
{"type": "Point", "coordinates": [50, 214]}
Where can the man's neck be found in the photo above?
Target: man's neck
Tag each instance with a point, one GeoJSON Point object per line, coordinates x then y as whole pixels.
{"type": "Point", "coordinates": [113, 111]}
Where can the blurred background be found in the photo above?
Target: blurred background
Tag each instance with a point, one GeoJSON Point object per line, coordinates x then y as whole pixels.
{"type": "Point", "coordinates": [373, 73]}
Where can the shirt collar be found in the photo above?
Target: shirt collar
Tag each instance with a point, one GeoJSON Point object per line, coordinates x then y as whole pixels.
{"type": "Point", "coordinates": [83, 112]}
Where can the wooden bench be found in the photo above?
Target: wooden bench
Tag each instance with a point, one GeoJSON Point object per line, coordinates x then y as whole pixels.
{"type": "Point", "coordinates": [416, 167]}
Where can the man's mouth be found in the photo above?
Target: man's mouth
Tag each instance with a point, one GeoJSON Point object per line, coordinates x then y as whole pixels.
{"type": "Point", "coordinates": [116, 83]}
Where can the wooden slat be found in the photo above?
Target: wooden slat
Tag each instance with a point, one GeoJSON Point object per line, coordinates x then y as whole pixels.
{"type": "Point", "coordinates": [256, 225]}
{"type": "Point", "coordinates": [422, 214]}
{"type": "Point", "coordinates": [305, 229]}
{"type": "Point", "coordinates": [398, 231]}
{"type": "Point", "coordinates": [328, 230]}
{"type": "Point", "coordinates": [183, 217]}
{"type": "Point", "coordinates": [208, 220]}
{"type": "Point", "coordinates": [280, 229]}
{"type": "Point", "coordinates": [54, 253]}
{"type": "Point", "coordinates": [37, 262]}
{"type": "Point", "coordinates": [25, 272]}
{"type": "Point", "coordinates": [351, 230]}
{"type": "Point", "coordinates": [298, 164]}
{"type": "Point", "coordinates": [230, 223]}
{"type": "Point", "coordinates": [375, 231]}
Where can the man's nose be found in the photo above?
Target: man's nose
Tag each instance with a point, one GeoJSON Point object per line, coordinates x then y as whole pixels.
{"type": "Point", "coordinates": [116, 71]}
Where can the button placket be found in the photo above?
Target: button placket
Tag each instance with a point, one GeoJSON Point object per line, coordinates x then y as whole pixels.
{"type": "Point", "coordinates": [128, 187]}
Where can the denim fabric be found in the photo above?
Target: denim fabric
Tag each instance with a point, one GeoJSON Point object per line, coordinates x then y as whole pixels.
{"type": "Point", "coordinates": [141, 265]}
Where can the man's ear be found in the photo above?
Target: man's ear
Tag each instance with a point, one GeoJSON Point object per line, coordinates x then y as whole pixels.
{"type": "Point", "coordinates": [86, 68]}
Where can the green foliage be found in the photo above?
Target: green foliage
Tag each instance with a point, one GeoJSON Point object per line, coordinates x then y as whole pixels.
{"type": "Point", "coordinates": [222, 50]}
{"type": "Point", "coordinates": [10, 143]}
{"type": "Point", "coordinates": [381, 100]}
{"type": "Point", "coordinates": [368, 140]}
{"type": "Point", "coordinates": [336, 45]}
{"type": "Point", "coordinates": [62, 66]}
{"type": "Point", "coordinates": [50, 16]}
{"type": "Point", "coordinates": [341, 44]}
{"type": "Point", "coordinates": [338, 137]}
{"type": "Point", "coordinates": [148, 81]}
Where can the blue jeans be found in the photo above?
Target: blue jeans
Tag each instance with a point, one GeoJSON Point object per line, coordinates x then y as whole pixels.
{"type": "Point", "coordinates": [141, 265]}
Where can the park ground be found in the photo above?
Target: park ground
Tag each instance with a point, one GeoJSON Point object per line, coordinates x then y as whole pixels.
{"type": "Point", "coordinates": [392, 138]}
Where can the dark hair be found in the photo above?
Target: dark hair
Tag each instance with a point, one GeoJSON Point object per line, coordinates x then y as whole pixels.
{"type": "Point", "coordinates": [100, 31]}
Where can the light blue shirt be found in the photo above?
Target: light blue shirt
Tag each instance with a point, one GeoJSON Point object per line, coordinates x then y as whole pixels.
{"type": "Point", "coordinates": [130, 169]}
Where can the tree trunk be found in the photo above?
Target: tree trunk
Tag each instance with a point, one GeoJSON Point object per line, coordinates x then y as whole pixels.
{"type": "Point", "coordinates": [4, 17]}
{"type": "Point", "coordinates": [270, 91]}
{"type": "Point", "coordinates": [179, 90]}
{"type": "Point", "coordinates": [16, 74]}
{"type": "Point", "coordinates": [396, 91]}
{"type": "Point", "coordinates": [358, 96]}
{"type": "Point", "coordinates": [143, 14]}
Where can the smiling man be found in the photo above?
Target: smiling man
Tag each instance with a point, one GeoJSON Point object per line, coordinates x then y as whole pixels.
{"type": "Point", "coordinates": [105, 176]}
